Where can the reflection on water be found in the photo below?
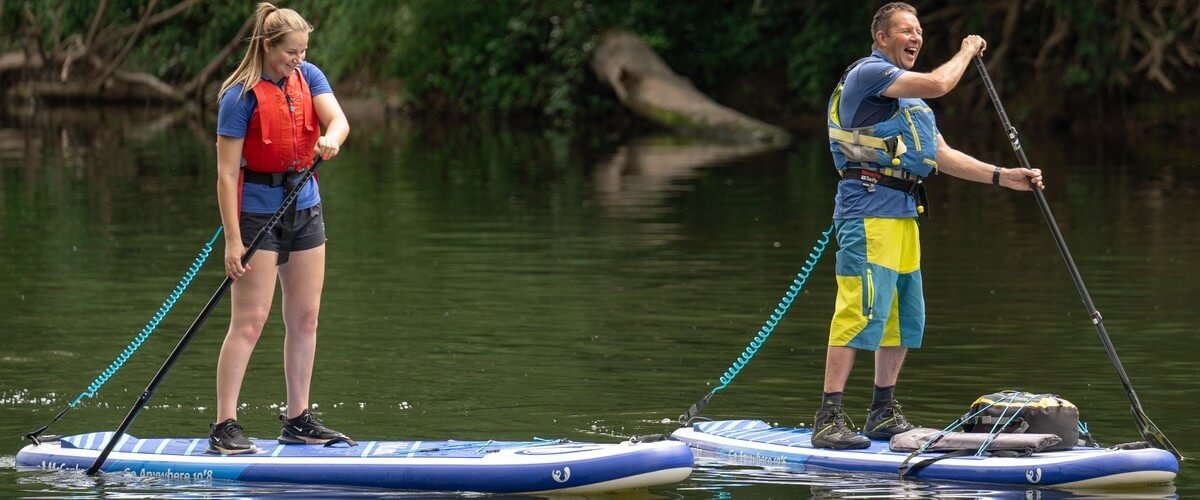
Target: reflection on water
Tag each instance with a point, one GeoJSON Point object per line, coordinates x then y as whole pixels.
{"type": "Point", "coordinates": [75, 483]}
{"type": "Point", "coordinates": [492, 282]}
{"type": "Point", "coordinates": [636, 178]}
{"type": "Point", "coordinates": [735, 477]}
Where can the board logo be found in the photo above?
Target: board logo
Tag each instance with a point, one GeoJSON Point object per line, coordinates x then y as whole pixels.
{"type": "Point", "coordinates": [1034, 475]}
{"type": "Point", "coordinates": [561, 476]}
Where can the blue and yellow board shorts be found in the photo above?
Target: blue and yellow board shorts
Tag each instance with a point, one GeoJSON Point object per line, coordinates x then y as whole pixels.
{"type": "Point", "coordinates": [880, 302]}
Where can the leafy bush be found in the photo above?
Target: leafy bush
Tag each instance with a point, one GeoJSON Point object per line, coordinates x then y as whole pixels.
{"type": "Point", "coordinates": [509, 57]}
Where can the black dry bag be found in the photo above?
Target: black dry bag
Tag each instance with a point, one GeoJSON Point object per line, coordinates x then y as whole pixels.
{"type": "Point", "coordinates": [1023, 412]}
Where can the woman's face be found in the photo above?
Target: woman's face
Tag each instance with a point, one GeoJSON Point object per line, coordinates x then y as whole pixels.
{"type": "Point", "coordinates": [284, 57]}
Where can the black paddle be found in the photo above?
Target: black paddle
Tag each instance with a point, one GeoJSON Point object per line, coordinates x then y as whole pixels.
{"type": "Point", "coordinates": [1149, 431]}
{"type": "Point", "coordinates": [199, 321]}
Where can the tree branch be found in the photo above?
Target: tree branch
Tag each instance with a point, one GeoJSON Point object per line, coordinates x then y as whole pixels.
{"type": "Point", "coordinates": [17, 59]}
{"type": "Point", "coordinates": [1152, 61]}
{"type": "Point", "coordinates": [116, 61]}
{"type": "Point", "coordinates": [1062, 29]}
{"type": "Point", "coordinates": [154, 21]}
{"type": "Point", "coordinates": [196, 86]}
{"type": "Point", "coordinates": [934, 17]}
{"type": "Point", "coordinates": [95, 25]}
{"type": "Point", "coordinates": [151, 82]}
{"type": "Point", "coordinates": [31, 42]}
{"type": "Point", "coordinates": [1010, 26]}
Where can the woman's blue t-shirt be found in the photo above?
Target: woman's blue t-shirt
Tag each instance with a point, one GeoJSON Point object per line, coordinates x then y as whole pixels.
{"type": "Point", "coordinates": [233, 120]}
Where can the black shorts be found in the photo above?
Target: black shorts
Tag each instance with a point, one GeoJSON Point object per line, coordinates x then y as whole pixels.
{"type": "Point", "coordinates": [309, 230]}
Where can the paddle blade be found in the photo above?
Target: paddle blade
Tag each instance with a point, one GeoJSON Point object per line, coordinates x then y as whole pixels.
{"type": "Point", "coordinates": [1152, 434]}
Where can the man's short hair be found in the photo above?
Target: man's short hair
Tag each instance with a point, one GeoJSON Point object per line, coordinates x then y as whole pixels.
{"type": "Point", "coordinates": [883, 16]}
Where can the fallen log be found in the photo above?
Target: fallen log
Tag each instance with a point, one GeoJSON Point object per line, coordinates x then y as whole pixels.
{"type": "Point", "coordinates": [648, 87]}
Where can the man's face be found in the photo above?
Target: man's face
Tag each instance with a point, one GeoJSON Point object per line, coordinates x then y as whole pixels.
{"type": "Point", "coordinates": [902, 42]}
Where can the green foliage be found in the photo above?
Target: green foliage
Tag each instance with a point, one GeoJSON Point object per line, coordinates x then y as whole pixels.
{"type": "Point", "coordinates": [1094, 63]}
{"type": "Point", "coordinates": [495, 57]}
{"type": "Point", "coordinates": [523, 57]}
{"type": "Point", "coordinates": [354, 39]}
{"type": "Point", "coordinates": [176, 51]}
{"type": "Point", "coordinates": [703, 40]}
{"type": "Point", "coordinates": [829, 37]}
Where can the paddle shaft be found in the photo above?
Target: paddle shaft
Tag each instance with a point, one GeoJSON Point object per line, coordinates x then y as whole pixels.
{"type": "Point", "coordinates": [1139, 415]}
{"type": "Point", "coordinates": [138, 406]}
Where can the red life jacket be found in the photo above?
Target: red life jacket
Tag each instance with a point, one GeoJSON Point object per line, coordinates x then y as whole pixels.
{"type": "Point", "coordinates": [283, 128]}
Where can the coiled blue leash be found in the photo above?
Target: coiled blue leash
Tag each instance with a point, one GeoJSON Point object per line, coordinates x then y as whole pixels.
{"type": "Point", "coordinates": [141, 337]}
{"type": "Point", "coordinates": [765, 332]}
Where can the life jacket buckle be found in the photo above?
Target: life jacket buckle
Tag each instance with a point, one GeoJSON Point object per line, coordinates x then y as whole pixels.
{"type": "Point", "coordinates": [869, 179]}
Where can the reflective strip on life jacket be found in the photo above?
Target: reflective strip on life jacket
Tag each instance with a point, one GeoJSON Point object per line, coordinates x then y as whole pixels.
{"type": "Point", "coordinates": [906, 141]}
{"type": "Point", "coordinates": [856, 137]}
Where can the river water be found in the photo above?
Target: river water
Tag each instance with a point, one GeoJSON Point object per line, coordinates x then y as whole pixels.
{"type": "Point", "coordinates": [495, 282]}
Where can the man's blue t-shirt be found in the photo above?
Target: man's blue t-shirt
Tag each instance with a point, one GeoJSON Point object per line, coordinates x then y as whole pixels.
{"type": "Point", "coordinates": [862, 105]}
{"type": "Point", "coordinates": [233, 120]}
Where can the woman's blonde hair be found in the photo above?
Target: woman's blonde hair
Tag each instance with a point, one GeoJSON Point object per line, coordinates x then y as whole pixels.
{"type": "Point", "coordinates": [270, 23]}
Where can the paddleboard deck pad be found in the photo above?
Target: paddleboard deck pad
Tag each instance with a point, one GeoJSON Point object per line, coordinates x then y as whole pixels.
{"type": "Point", "coordinates": [477, 466]}
{"type": "Point", "coordinates": [1080, 467]}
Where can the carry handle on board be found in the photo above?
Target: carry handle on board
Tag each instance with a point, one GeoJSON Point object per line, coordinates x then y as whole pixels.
{"type": "Point", "coordinates": [1149, 431]}
{"type": "Point", "coordinates": [199, 321]}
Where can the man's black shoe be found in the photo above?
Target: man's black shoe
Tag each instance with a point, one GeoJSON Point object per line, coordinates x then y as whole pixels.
{"type": "Point", "coordinates": [830, 431]}
{"type": "Point", "coordinates": [886, 422]}
{"type": "Point", "coordinates": [226, 438]}
{"type": "Point", "coordinates": [307, 429]}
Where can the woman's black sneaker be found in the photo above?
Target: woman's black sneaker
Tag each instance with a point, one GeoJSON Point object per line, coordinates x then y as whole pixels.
{"type": "Point", "coordinates": [226, 438]}
{"type": "Point", "coordinates": [307, 429]}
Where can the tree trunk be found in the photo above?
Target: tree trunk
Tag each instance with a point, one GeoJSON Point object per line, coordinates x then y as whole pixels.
{"type": "Point", "coordinates": [77, 67]}
{"type": "Point", "coordinates": [644, 84]}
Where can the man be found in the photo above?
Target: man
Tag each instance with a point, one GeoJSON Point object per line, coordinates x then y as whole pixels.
{"type": "Point", "coordinates": [884, 140]}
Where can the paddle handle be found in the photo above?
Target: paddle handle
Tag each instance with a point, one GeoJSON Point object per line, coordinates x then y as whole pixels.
{"type": "Point", "coordinates": [148, 393]}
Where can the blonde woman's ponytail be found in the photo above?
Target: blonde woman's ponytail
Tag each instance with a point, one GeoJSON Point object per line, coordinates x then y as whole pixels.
{"type": "Point", "coordinates": [270, 23]}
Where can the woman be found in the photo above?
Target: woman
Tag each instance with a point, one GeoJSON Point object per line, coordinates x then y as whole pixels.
{"type": "Point", "coordinates": [267, 134]}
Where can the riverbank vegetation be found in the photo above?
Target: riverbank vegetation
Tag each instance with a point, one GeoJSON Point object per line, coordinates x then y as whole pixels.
{"type": "Point", "coordinates": [775, 60]}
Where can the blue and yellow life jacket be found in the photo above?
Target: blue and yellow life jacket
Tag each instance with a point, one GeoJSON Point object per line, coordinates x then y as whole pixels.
{"type": "Point", "coordinates": [902, 145]}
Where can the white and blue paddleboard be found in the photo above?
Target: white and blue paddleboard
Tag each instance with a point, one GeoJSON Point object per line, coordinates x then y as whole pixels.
{"type": "Point", "coordinates": [475, 466]}
{"type": "Point", "coordinates": [1081, 467]}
